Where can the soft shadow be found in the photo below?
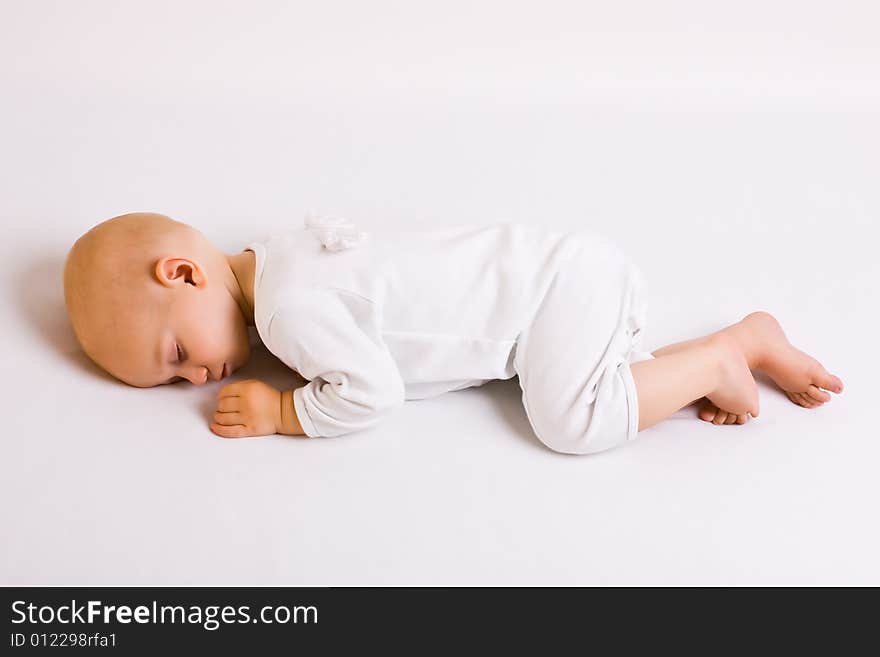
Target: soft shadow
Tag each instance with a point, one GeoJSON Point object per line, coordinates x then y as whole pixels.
{"type": "Point", "coordinates": [39, 299]}
{"type": "Point", "coordinates": [506, 396]}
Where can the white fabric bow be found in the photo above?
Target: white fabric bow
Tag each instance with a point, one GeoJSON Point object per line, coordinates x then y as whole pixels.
{"type": "Point", "coordinates": [335, 234]}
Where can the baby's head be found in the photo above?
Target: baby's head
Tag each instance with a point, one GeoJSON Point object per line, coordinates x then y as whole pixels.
{"type": "Point", "coordinates": [152, 301]}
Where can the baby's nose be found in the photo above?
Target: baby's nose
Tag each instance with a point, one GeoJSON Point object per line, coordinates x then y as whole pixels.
{"type": "Point", "coordinates": [198, 376]}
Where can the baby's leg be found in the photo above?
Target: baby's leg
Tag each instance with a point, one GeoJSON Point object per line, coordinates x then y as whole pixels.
{"type": "Point", "coordinates": [714, 367]}
{"type": "Point", "coordinates": [766, 348]}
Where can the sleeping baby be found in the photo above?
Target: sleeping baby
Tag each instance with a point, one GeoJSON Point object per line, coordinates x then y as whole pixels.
{"type": "Point", "coordinates": [373, 319]}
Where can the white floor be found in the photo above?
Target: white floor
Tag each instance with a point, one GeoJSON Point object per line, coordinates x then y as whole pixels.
{"type": "Point", "coordinates": [739, 178]}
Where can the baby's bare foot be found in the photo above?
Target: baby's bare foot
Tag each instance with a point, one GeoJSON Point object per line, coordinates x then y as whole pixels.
{"type": "Point", "coordinates": [737, 393]}
{"type": "Point", "coordinates": [801, 376]}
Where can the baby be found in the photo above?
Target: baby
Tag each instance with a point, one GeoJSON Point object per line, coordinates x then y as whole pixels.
{"type": "Point", "coordinates": [373, 319]}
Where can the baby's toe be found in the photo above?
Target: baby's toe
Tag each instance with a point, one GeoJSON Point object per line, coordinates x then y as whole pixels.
{"type": "Point", "coordinates": [796, 397]}
{"type": "Point", "coordinates": [720, 417]}
{"type": "Point", "coordinates": [823, 379]}
{"type": "Point", "coordinates": [741, 419]}
{"type": "Point", "coordinates": [731, 418]}
{"type": "Point", "coordinates": [808, 402]}
{"type": "Point", "coordinates": [707, 412]}
{"type": "Point", "coordinates": [817, 395]}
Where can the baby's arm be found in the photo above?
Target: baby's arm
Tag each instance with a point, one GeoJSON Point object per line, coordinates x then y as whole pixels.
{"type": "Point", "coordinates": [254, 408]}
{"type": "Point", "coordinates": [333, 339]}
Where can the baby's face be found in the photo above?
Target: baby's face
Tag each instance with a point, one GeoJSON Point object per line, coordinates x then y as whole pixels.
{"type": "Point", "coordinates": [183, 331]}
{"type": "Point", "coordinates": [202, 337]}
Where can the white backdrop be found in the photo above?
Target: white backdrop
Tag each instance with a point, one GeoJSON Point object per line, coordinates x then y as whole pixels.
{"type": "Point", "coordinates": [732, 149]}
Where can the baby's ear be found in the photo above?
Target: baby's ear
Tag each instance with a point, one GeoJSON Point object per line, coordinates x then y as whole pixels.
{"type": "Point", "coordinates": [175, 271]}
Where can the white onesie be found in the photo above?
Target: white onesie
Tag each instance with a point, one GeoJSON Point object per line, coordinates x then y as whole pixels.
{"type": "Point", "coordinates": [373, 319]}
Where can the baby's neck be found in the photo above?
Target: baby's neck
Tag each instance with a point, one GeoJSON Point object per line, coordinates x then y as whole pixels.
{"type": "Point", "coordinates": [243, 266]}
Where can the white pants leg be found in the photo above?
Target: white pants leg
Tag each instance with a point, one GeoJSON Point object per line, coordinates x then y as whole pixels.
{"type": "Point", "coordinates": [573, 360]}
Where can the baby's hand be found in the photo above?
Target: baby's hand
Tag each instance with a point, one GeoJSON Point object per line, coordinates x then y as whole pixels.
{"type": "Point", "coordinates": [247, 408]}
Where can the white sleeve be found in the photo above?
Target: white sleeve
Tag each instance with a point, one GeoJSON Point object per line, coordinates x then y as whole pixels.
{"type": "Point", "coordinates": [333, 338]}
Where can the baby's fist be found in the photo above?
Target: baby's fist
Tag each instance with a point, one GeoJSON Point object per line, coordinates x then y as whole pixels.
{"type": "Point", "coordinates": [247, 408]}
